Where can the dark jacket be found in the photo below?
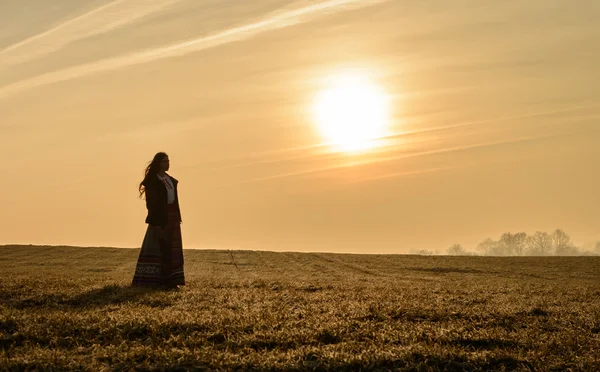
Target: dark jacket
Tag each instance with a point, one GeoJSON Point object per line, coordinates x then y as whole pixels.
{"type": "Point", "coordinates": [156, 201]}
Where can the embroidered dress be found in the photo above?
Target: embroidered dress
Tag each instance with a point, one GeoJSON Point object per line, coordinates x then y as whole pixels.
{"type": "Point", "coordinates": [160, 262]}
{"type": "Point", "coordinates": [166, 180]}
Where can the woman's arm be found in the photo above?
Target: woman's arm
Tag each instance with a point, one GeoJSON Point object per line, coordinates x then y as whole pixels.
{"type": "Point", "coordinates": [156, 213]}
{"type": "Point", "coordinates": [150, 198]}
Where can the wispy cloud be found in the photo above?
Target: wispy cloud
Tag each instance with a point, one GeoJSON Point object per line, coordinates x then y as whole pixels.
{"type": "Point", "coordinates": [401, 174]}
{"type": "Point", "coordinates": [446, 150]}
{"type": "Point", "coordinates": [108, 17]}
{"type": "Point", "coordinates": [322, 150]}
{"type": "Point", "coordinates": [274, 21]}
{"type": "Point", "coordinates": [537, 114]}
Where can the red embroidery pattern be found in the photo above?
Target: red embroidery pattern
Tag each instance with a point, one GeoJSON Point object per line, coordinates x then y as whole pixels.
{"type": "Point", "coordinates": [167, 183]}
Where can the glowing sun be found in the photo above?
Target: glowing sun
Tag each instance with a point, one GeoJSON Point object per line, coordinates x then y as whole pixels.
{"type": "Point", "coordinates": [352, 113]}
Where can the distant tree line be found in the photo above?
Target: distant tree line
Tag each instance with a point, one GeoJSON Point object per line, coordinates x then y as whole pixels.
{"type": "Point", "coordinates": [559, 243]}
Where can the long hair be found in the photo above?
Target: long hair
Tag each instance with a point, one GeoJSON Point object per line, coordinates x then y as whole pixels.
{"type": "Point", "coordinates": [151, 170]}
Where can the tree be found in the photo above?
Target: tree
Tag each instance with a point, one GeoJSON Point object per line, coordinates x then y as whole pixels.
{"type": "Point", "coordinates": [425, 252]}
{"type": "Point", "coordinates": [539, 244]}
{"type": "Point", "coordinates": [562, 244]}
{"type": "Point", "coordinates": [513, 244]}
{"type": "Point", "coordinates": [457, 250]}
{"type": "Point", "coordinates": [597, 249]}
{"type": "Point", "coordinates": [489, 247]}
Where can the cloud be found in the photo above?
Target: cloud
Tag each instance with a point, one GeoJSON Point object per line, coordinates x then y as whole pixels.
{"type": "Point", "coordinates": [274, 21]}
{"type": "Point", "coordinates": [322, 151]}
{"type": "Point", "coordinates": [383, 159]}
{"type": "Point", "coordinates": [108, 17]}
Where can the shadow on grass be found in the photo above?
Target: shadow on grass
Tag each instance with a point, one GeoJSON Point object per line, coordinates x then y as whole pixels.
{"type": "Point", "coordinates": [69, 335]}
{"type": "Point", "coordinates": [422, 315]}
{"type": "Point", "coordinates": [313, 361]}
{"type": "Point", "coordinates": [444, 270]}
{"type": "Point", "coordinates": [415, 361]}
{"type": "Point", "coordinates": [485, 343]}
{"type": "Point", "coordinates": [99, 297]}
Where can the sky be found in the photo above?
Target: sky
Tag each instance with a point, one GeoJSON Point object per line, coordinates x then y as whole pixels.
{"type": "Point", "coordinates": [493, 121]}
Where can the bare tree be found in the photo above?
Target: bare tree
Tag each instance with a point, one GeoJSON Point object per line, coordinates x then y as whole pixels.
{"type": "Point", "coordinates": [489, 247]}
{"type": "Point", "coordinates": [425, 252]}
{"type": "Point", "coordinates": [520, 243]}
{"type": "Point", "coordinates": [562, 244]}
{"type": "Point", "coordinates": [457, 250]}
{"type": "Point", "coordinates": [539, 244]}
{"type": "Point", "coordinates": [513, 244]}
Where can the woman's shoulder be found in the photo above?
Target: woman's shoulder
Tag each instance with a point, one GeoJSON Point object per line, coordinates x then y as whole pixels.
{"type": "Point", "coordinates": [150, 181]}
{"type": "Point", "coordinates": [173, 179]}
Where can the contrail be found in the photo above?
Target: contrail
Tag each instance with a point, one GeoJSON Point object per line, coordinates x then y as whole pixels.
{"type": "Point", "coordinates": [116, 14]}
{"type": "Point", "coordinates": [495, 120]}
{"type": "Point", "coordinates": [402, 174]}
{"type": "Point", "coordinates": [396, 157]}
{"type": "Point", "coordinates": [275, 21]}
{"type": "Point", "coordinates": [59, 27]}
{"type": "Point", "coordinates": [300, 153]}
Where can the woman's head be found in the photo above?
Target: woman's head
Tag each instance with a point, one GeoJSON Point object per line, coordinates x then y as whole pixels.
{"type": "Point", "coordinates": [160, 163]}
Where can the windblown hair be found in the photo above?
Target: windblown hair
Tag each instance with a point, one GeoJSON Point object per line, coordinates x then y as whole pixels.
{"type": "Point", "coordinates": [151, 170]}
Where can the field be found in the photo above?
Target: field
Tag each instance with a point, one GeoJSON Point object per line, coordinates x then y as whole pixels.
{"type": "Point", "coordinates": [72, 308]}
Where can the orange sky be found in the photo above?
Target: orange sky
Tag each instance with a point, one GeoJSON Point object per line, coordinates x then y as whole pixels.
{"type": "Point", "coordinates": [495, 121]}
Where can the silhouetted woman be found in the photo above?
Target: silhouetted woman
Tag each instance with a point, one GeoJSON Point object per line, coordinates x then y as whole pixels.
{"type": "Point", "coordinates": [160, 263]}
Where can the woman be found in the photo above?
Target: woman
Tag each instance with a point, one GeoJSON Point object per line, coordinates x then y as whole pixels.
{"type": "Point", "coordinates": [160, 263]}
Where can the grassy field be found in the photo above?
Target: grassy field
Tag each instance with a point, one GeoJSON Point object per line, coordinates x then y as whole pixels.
{"type": "Point", "coordinates": [72, 308]}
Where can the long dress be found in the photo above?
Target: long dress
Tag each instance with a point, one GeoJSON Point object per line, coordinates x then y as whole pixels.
{"type": "Point", "coordinates": [160, 263]}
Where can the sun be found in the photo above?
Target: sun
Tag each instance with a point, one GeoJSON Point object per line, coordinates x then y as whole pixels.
{"type": "Point", "coordinates": [352, 114]}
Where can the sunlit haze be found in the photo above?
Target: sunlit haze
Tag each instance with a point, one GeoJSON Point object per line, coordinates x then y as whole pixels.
{"type": "Point", "coordinates": [372, 126]}
{"type": "Point", "coordinates": [352, 114]}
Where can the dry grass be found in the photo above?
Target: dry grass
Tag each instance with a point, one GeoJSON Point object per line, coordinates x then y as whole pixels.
{"type": "Point", "coordinates": [72, 308]}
